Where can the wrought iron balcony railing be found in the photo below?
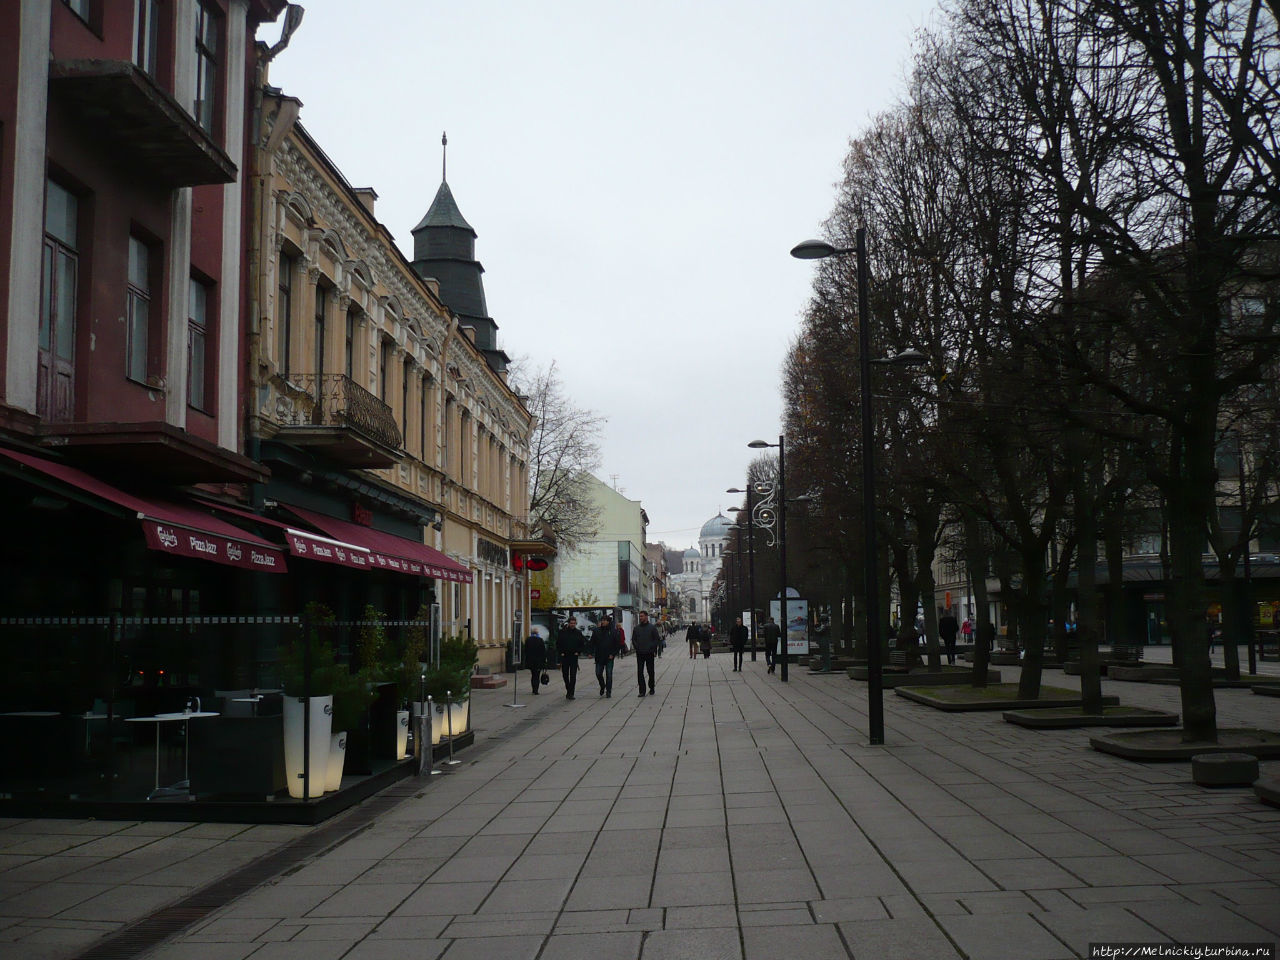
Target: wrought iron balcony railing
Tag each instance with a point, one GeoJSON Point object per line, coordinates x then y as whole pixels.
{"type": "Point", "coordinates": [335, 400]}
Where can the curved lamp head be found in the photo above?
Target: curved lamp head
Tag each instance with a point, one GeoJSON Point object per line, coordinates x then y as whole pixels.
{"type": "Point", "coordinates": [760, 444]}
{"type": "Point", "coordinates": [735, 490]}
{"type": "Point", "coordinates": [903, 358]}
{"type": "Point", "coordinates": [816, 250]}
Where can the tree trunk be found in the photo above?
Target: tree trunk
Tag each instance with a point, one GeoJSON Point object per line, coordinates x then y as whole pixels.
{"type": "Point", "coordinates": [1186, 603]}
{"type": "Point", "coordinates": [1032, 621]}
{"type": "Point", "coordinates": [983, 632]}
{"type": "Point", "coordinates": [1087, 593]}
{"type": "Point", "coordinates": [1232, 593]}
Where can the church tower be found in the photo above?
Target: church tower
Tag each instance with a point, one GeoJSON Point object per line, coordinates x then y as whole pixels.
{"type": "Point", "coordinates": [444, 249]}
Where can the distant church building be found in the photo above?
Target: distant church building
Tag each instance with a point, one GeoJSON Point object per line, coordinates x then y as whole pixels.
{"type": "Point", "coordinates": [691, 584]}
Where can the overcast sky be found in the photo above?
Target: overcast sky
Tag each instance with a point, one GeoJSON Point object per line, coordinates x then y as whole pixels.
{"type": "Point", "coordinates": [636, 173]}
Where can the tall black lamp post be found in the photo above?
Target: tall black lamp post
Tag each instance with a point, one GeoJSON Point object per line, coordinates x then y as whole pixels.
{"type": "Point", "coordinates": [818, 250]}
{"type": "Point", "coordinates": [751, 566]}
{"type": "Point", "coordinates": [782, 537]}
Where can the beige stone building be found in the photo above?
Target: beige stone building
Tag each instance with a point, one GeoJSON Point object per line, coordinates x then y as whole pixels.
{"type": "Point", "coordinates": [379, 398]}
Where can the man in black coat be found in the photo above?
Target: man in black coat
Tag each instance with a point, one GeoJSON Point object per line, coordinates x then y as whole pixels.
{"type": "Point", "coordinates": [772, 634]}
{"type": "Point", "coordinates": [535, 658]}
{"type": "Point", "coordinates": [645, 640]}
{"type": "Point", "coordinates": [569, 643]}
{"type": "Point", "coordinates": [948, 627]}
{"type": "Point", "coordinates": [606, 645]}
{"type": "Point", "coordinates": [738, 642]}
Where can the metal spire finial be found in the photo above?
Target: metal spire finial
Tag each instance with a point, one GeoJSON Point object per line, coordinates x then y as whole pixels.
{"type": "Point", "coordinates": [444, 157]}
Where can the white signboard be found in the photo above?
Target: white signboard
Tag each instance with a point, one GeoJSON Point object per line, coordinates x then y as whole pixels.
{"type": "Point", "coordinates": [796, 630]}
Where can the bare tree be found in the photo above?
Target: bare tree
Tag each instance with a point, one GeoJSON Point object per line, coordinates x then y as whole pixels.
{"type": "Point", "coordinates": [564, 450]}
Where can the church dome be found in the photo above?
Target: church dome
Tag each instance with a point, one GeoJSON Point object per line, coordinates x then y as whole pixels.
{"type": "Point", "coordinates": [716, 528]}
{"type": "Point", "coordinates": [692, 554]}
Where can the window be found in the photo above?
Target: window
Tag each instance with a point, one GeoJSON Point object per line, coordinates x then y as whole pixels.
{"type": "Point", "coordinates": [206, 68]}
{"type": "Point", "coordinates": [424, 417]}
{"type": "Point", "coordinates": [81, 8]}
{"type": "Point", "coordinates": [146, 32]}
{"type": "Point", "coordinates": [197, 337]}
{"type": "Point", "coordinates": [406, 376]}
{"type": "Point", "coordinates": [322, 303]}
{"type": "Point", "coordinates": [351, 344]}
{"type": "Point", "coordinates": [137, 310]}
{"type": "Point", "coordinates": [384, 371]}
{"type": "Point", "coordinates": [284, 314]}
{"type": "Point", "coordinates": [60, 263]}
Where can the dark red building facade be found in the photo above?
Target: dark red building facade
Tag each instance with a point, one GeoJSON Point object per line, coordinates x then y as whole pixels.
{"type": "Point", "coordinates": [124, 198]}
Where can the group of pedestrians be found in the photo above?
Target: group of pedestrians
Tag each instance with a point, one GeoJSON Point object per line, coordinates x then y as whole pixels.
{"type": "Point", "coordinates": [607, 643]}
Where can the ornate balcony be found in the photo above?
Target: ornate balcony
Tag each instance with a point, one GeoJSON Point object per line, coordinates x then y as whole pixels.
{"type": "Point", "coordinates": [343, 420]}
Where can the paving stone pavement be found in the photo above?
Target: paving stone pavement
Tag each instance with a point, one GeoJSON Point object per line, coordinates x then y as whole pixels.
{"type": "Point", "coordinates": [729, 816]}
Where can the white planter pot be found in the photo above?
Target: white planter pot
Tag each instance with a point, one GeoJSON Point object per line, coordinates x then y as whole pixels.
{"type": "Point", "coordinates": [402, 734]}
{"type": "Point", "coordinates": [437, 723]}
{"type": "Point", "coordinates": [337, 758]}
{"type": "Point", "coordinates": [321, 712]}
{"type": "Point", "coordinates": [453, 719]}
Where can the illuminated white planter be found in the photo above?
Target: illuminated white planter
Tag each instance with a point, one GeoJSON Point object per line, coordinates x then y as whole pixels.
{"type": "Point", "coordinates": [402, 734]}
{"type": "Point", "coordinates": [337, 759]}
{"type": "Point", "coordinates": [321, 713]}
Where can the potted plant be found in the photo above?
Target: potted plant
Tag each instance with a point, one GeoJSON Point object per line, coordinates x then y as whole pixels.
{"type": "Point", "coordinates": [448, 685]}
{"type": "Point", "coordinates": [352, 694]}
{"type": "Point", "coordinates": [388, 725]}
{"type": "Point", "coordinates": [310, 648]}
{"type": "Point", "coordinates": [412, 667]}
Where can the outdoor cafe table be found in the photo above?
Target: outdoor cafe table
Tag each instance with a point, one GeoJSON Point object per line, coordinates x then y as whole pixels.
{"type": "Point", "coordinates": [158, 719]}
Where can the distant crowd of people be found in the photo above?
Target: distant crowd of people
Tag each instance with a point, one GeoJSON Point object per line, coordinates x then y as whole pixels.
{"type": "Point", "coordinates": [608, 642]}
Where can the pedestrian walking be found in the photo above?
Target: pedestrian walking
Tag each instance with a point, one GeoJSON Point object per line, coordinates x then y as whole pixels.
{"type": "Point", "coordinates": [535, 658]}
{"type": "Point", "coordinates": [644, 641]}
{"type": "Point", "coordinates": [772, 633]}
{"type": "Point", "coordinates": [569, 643]}
{"type": "Point", "coordinates": [706, 641]}
{"type": "Point", "coordinates": [966, 630]}
{"type": "Point", "coordinates": [738, 643]}
{"type": "Point", "coordinates": [605, 645]}
{"type": "Point", "coordinates": [948, 627]}
{"type": "Point", "coordinates": [693, 635]}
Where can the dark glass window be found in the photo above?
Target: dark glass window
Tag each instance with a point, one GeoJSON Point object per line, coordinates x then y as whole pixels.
{"type": "Point", "coordinates": [146, 33]}
{"type": "Point", "coordinates": [138, 310]}
{"type": "Point", "coordinates": [197, 338]}
{"type": "Point", "coordinates": [206, 96]}
{"type": "Point", "coordinates": [284, 314]}
{"type": "Point", "coordinates": [322, 305]}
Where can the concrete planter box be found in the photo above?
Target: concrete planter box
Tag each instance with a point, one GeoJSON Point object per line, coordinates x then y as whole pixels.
{"type": "Point", "coordinates": [1224, 769]}
{"type": "Point", "coordinates": [1168, 745]}
{"type": "Point", "coordinates": [956, 677]}
{"type": "Point", "coordinates": [993, 703]}
{"type": "Point", "coordinates": [1069, 719]}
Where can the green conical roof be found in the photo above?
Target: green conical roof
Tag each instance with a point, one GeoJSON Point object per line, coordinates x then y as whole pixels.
{"type": "Point", "coordinates": [444, 212]}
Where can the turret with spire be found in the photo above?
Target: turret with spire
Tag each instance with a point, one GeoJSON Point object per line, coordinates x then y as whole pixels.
{"type": "Point", "coordinates": [444, 249]}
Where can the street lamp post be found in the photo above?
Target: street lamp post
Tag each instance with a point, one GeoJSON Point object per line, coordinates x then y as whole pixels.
{"type": "Point", "coordinates": [782, 539]}
{"type": "Point", "coordinates": [751, 564]}
{"type": "Point", "coordinates": [818, 250]}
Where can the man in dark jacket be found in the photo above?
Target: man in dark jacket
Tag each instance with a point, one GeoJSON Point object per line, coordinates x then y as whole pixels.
{"type": "Point", "coordinates": [569, 643]}
{"type": "Point", "coordinates": [738, 641]}
{"type": "Point", "coordinates": [645, 640]}
{"type": "Point", "coordinates": [535, 658]}
{"type": "Point", "coordinates": [948, 627]}
{"type": "Point", "coordinates": [606, 644]}
{"type": "Point", "coordinates": [772, 634]}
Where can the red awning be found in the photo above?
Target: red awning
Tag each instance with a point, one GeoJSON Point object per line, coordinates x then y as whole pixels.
{"type": "Point", "coordinates": [377, 550]}
{"type": "Point", "coordinates": [303, 543]}
{"type": "Point", "coordinates": [179, 529]}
